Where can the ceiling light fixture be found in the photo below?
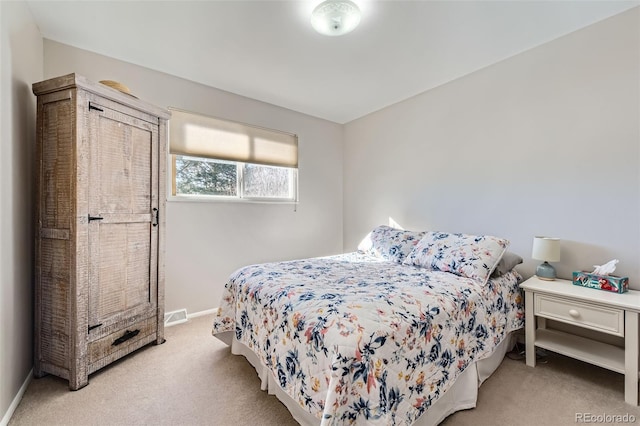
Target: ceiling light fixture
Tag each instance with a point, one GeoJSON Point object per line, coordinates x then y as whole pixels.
{"type": "Point", "coordinates": [335, 17]}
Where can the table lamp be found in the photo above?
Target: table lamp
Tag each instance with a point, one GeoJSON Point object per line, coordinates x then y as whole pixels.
{"type": "Point", "coordinates": [546, 249]}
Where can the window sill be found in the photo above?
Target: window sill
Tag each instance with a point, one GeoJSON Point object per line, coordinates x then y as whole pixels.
{"type": "Point", "coordinates": [206, 199]}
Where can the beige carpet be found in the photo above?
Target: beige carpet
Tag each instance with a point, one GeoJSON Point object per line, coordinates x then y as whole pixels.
{"type": "Point", "coordinates": [193, 379]}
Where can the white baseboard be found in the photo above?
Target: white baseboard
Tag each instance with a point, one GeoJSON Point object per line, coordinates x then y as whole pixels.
{"type": "Point", "coordinates": [189, 316]}
{"type": "Point", "coordinates": [203, 313]}
{"type": "Point", "coordinates": [16, 400]}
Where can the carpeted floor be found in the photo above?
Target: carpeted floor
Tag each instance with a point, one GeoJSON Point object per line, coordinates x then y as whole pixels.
{"type": "Point", "coordinates": [193, 379]}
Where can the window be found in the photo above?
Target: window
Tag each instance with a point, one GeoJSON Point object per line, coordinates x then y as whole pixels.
{"type": "Point", "coordinates": [194, 176]}
{"type": "Point", "coordinates": [218, 159]}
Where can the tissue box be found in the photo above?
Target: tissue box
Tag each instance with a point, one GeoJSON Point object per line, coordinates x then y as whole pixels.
{"type": "Point", "coordinates": [602, 282]}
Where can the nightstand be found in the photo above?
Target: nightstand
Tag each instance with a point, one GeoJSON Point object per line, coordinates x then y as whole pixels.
{"type": "Point", "coordinates": [597, 310]}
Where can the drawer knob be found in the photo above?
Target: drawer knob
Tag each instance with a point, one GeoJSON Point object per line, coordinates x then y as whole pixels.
{"type": "Point", "coordinates": [574, 313]}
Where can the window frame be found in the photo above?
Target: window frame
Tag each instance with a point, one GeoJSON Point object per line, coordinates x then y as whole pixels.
{"type": "Point", "coordinates": [240, 198]}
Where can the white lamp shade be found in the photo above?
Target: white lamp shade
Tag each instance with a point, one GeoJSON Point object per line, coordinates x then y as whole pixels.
{"type": "Point", "coordinates": [335, 17]}
{"type": "Point", "coordinates": [546, 248]}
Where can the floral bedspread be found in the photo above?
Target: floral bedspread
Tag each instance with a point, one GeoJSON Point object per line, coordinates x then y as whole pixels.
{"type": "Point", "coordinates": [352, 338]}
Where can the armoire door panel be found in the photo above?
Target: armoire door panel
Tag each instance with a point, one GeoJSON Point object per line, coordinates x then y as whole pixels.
{"type": "Point", "coordinates": [122, 278]}
{"type": "Point", "coordinates": [122, 240]}
{"type": "Point", "coordinates": [124, 172]}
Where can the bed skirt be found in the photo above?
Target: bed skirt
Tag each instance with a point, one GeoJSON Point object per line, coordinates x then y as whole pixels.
{"type": "Point", "coordinates": [462, 395]}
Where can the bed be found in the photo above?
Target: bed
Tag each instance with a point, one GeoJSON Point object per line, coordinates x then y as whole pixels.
{"type": "Point", "coordinates": [400, 332]}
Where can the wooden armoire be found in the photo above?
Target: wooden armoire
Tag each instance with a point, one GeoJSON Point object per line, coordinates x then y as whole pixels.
{"type": "Point", "coordinates": [99, 268]}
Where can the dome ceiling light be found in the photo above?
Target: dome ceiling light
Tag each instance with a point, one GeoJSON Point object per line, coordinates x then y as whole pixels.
{"type": "Point", "coordinates": [335, 17]}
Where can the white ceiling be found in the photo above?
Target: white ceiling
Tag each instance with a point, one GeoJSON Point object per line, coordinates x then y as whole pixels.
{"type": "Point", "coordinates": [268, 51]}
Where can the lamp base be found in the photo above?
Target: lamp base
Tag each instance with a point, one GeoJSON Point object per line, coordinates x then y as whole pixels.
{"type": "Point", "coordinates": [546, 272]}
{"type": "Point", "coordinates": [545, 279]}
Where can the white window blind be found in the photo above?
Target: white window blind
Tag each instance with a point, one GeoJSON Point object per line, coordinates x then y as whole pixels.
{"type": "Point", "coordinates": [202, 136]}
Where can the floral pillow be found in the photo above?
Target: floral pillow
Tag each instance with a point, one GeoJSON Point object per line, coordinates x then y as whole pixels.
{"type": "Point", "coordinates": [470, 256]}
{"type": "Point", "coordinates": [388, 243]}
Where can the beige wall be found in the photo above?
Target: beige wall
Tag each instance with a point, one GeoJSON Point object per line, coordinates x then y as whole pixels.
{"type": "Point", "coordinates": [21, 52]}
{"type": "Point", "coordinates": [208, 241]}
{"type": "Point", "coordinates": [544, 143]}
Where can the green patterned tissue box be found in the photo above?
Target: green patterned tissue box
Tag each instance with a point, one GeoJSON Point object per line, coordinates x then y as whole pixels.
{"type": "Point", "coordinates": [602, 282]}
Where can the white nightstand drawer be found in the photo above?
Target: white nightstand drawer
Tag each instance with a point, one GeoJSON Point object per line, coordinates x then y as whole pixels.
{"type": "Point", "coordinates": [600, 318]}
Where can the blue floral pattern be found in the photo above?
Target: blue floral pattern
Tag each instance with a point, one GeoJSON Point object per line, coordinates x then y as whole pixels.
{"type": "Point", "coordinates": [389, 243]}
{"type": "Point", "coordinates": [353, 338]}
{"type": "Point", "coordinates": [471, 256]}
